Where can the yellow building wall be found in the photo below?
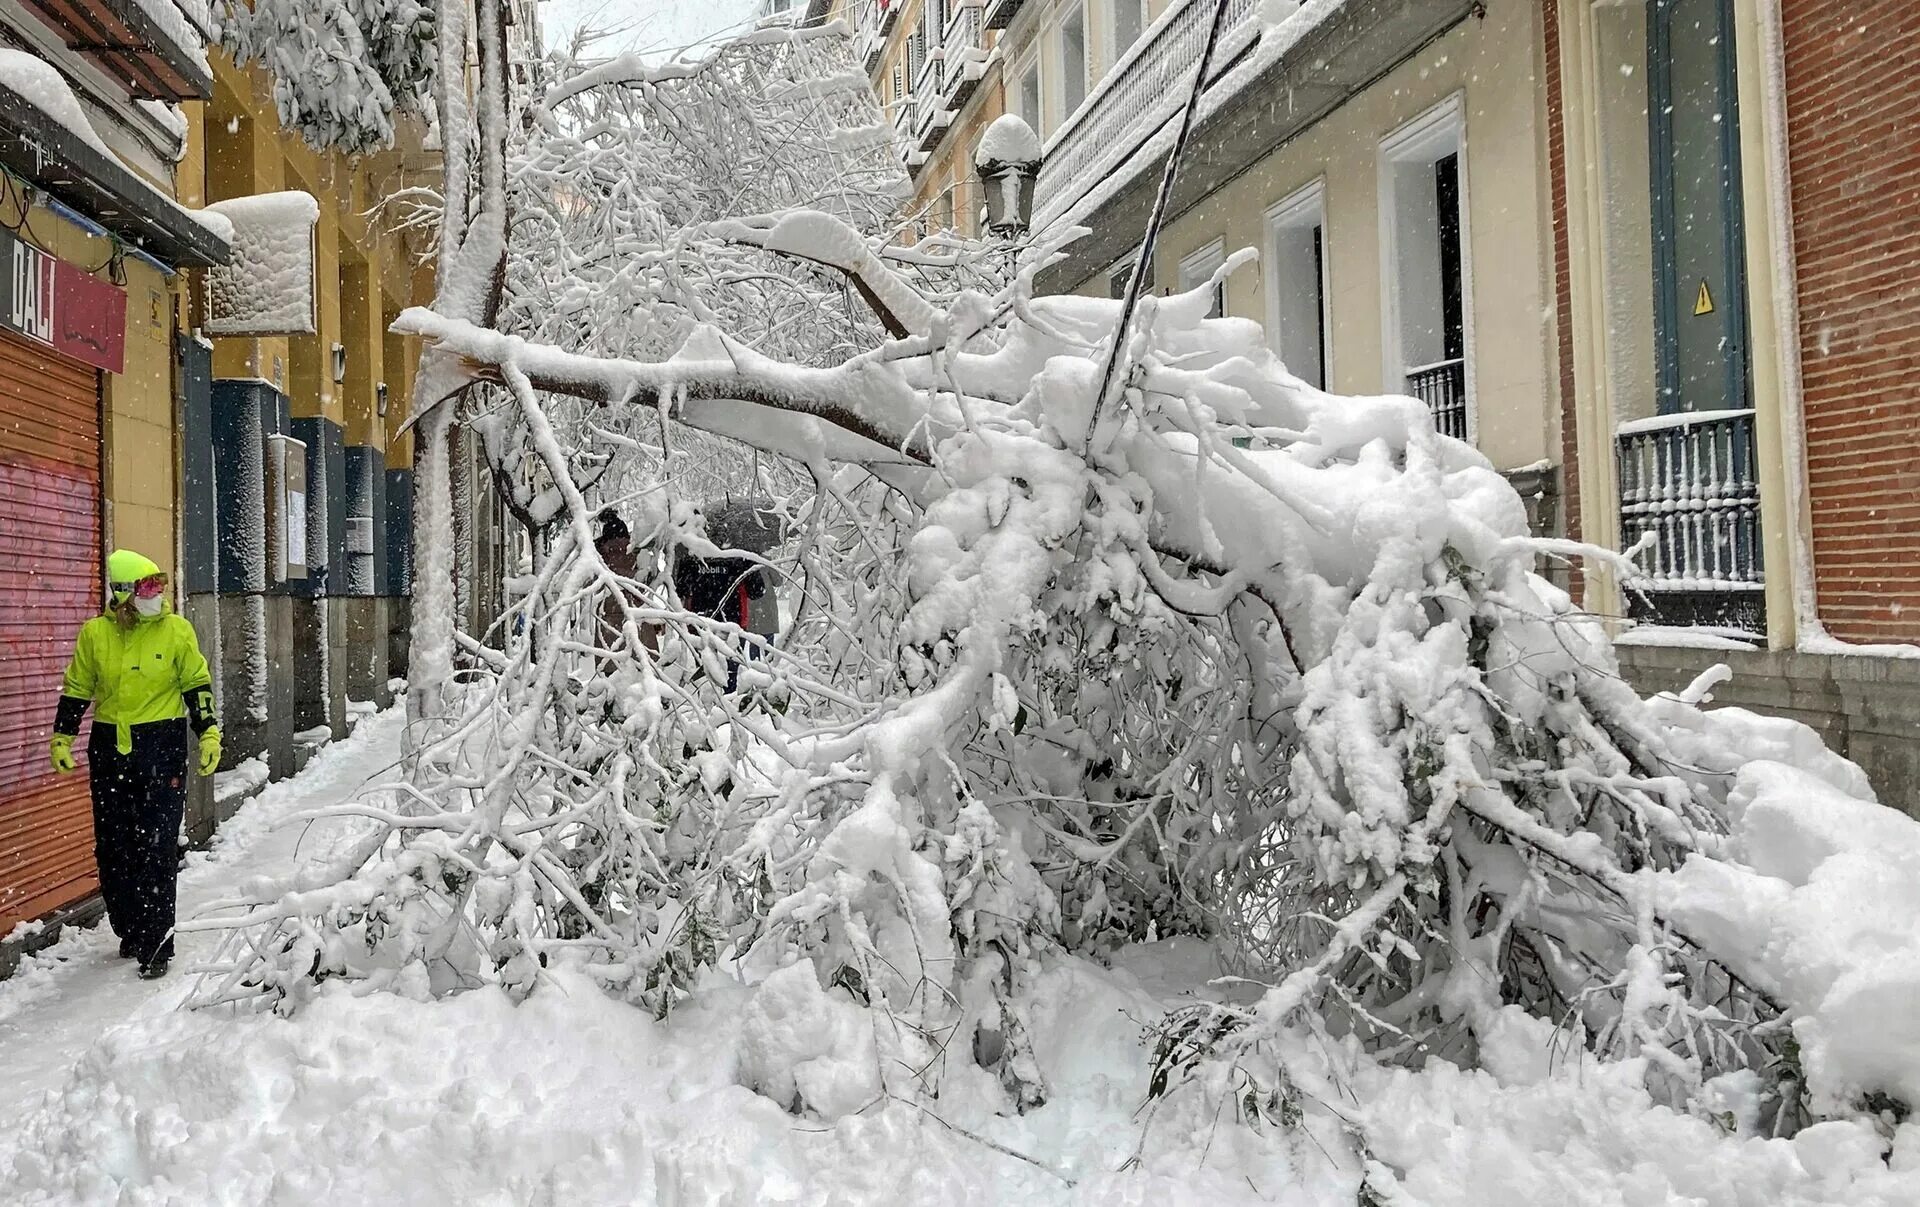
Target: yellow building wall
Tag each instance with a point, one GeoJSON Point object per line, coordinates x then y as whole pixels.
{"type": "Point", "coordinates": [364, 272]}
{"type": "Point", "coordinates": [1493, 64]}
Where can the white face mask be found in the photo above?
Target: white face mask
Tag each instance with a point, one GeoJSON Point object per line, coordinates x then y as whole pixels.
{"type": "Point", "coordinates": [150, 607]}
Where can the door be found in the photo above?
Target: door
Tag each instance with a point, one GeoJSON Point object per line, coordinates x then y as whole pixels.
{"type": "Point", "coordinates": [50, 583]}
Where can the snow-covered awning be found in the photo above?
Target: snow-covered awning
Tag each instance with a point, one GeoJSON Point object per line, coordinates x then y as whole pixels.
{"type": "Point", "coordinates": [268, 288]}
{"type": "Point", "coordinates": [148, 45]}
{"type": "Point", "coordinates": [45, 138]}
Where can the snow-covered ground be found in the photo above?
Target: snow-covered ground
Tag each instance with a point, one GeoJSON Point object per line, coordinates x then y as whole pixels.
{"type": "Point", "coordinates": [113, 1095]}
{"type": "Point", "coordinates": [66, 997]}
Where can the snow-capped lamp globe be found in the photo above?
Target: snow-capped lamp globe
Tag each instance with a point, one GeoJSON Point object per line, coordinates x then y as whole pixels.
{"type": "Point", "coordinates": [1008, 160]}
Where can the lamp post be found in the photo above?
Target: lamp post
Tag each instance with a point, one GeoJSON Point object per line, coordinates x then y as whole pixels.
{"type": "Point", "coordinates": [1008, 160]}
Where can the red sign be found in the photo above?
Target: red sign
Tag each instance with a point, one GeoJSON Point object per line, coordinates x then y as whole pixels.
{"type": "Point", "coordinates": [54, 303]}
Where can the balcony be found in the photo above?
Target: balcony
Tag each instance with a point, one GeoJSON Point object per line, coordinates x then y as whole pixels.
{"type": "Point", "coordinates": [931, 117]}
{"type": "Point", "coordinates": [1687, 486]}
{"type": "Point", "coordinates": [964, 54]}
{"type": "Point", "coordinates": [1000, 13]}
{"type": "Point", "coordinates": [889, 11]}
{"type": "Point", "coordinates": [1138, 95]}
{"type": "Point", "coordinates": [1266, 85]}
{"type": "Point", "coordinates": [1443, 387]}
{"type": "Point", "coordinates": [873, 47]}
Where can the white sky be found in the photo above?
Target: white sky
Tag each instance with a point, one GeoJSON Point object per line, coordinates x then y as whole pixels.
{"type": "Point", "coordinates": [647, 25]}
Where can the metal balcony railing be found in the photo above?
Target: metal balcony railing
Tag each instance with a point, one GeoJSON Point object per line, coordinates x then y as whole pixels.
{"type": "Point", "coordinates": [1139, 95]}
{"type": "Point", "coordinates": [889, 16]}
{"type": "Point", "coordinates": [1689, 481]}
{"type": "Point", "coordinates": [963, 53]}
{"type": "Point", "coordinates": [1000, 13]}
{"type": "Point", "coordinates": [1442, 385]}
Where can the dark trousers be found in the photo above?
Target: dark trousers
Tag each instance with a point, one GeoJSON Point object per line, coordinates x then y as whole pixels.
{"type": "Point", "coordinates": [138, 799]}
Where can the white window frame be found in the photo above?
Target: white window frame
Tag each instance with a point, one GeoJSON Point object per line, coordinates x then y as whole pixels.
{"type": "Point", "coordinates": [1444, 125]}
{"type": "Point", "coordinates": [1031, 61]}
{"type": "Point", "coordinates": [1304, 207]}
{"type": "Point", "coordinates": [1067, 14]}
{"type": "Point", "coordinates": [1201, 263]}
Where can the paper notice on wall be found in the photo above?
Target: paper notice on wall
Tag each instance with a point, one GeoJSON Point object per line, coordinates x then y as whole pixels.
{"type": "Point", "coordinates": [296, 535]}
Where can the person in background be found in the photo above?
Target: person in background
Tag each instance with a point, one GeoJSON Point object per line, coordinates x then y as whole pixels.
{"type": "Point", "coordinates": [721, 588]}
{"type": "Point", "coordinates": [141, 669]}
{"type": "Point", "coordinates": [614, 544]}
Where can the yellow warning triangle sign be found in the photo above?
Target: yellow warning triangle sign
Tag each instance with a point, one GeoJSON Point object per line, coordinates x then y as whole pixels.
{"type": "Point", "coordinates": [1704, 303]}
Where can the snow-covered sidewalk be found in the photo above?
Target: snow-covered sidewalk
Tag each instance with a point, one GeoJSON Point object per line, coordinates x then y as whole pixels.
{"type": "Point", "coordinates": [66, 997]}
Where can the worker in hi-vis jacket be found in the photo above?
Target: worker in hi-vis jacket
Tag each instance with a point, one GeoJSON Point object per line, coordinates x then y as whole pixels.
{"type": "Point", "coordinates": [140, 667]}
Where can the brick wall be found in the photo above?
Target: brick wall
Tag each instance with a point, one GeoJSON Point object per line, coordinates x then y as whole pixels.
{"type": "Point", "coordinates": [1853, 118]}
{"type": "Point", "coordinates": [1562, 278]}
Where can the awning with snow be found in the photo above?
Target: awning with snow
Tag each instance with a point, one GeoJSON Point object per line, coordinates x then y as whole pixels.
{"type": "Point", "coordinates": [81, 172]}
{"type": "Point", "coordinates": [147, 45]}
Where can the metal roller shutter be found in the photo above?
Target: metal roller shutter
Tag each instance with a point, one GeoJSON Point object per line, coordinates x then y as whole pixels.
{"type": "Point", "coordinates": [50, 557]}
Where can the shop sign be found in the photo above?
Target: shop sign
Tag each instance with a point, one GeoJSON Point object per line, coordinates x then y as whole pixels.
{"type": "Point", "coordinates": [55, 303]}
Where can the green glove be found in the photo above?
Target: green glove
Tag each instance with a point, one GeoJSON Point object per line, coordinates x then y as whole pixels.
{"type": "Point", "coordinates": [210, 750]}
{"type": "Point", "coordinates": [61, 751]}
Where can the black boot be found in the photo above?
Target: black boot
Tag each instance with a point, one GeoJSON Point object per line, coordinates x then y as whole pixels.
{"type": "Point", "coordinates": [154, 969]}
{"type": "Point", "coordinates": [126, 949]}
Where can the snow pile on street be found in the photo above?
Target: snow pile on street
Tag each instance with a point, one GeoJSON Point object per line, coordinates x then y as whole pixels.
{"type": "Point", "coordinates": [1816, 903]}
{"type": "Point", "coordinates": [573, 1098]}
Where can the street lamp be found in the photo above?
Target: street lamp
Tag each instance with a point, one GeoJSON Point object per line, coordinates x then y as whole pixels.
{"type": "Point", "coordinates": [1008, 160]}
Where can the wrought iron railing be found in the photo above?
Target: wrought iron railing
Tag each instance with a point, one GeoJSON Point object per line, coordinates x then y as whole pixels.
{"type": "Point", "coordinates": [1137, 96]}
{"type": "Point", "coordinates": [1000, 13]}
{"type": "Point", "coordinates": [1688, 489]}
{"type": "Point", "coordinates": [1442, 385]}
{"type": "Point", "coordinates": [889, 11]}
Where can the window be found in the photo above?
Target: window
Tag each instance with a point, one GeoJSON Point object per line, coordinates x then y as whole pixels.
{"type": "Point", "coordinates": [1422, 208]}
{"type": "Point", "coordinates": [1297, 283]}
{"type": "Point", "coordinates": [1117, 280]}
{"type": "Point", "coordinates": [1202, 264]}
{"type": "Point", "coordinates": [1129, 19]}
{"type": "Point", "coordinates": [1699, 236]}
{"type": "Point", "coordinates": [1073, 62]}
{"type": "Point", "coordinates": [1030, 96]}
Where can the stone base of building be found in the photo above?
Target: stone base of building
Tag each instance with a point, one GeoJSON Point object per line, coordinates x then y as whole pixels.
{"type": "Point", "coordinates": [1865, 708]}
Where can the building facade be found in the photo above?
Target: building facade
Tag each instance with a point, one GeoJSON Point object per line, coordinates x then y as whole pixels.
{"type": "Point", "coordinates": [936, 67]}
{"type": "Point", "coordinates": [1737, 231]}
{"type": "Point", "coordinates": [195, 362]}
{"type": "Point", "coordinates": [1385, 157]}
{"type": "Point", "coordinates": [1654, 259]}
{"type": "Point", "coordinates": [96, 251]}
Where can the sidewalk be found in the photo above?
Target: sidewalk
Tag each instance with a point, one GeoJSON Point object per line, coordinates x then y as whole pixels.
{"type": "Point", "coordinates": [63, 998]}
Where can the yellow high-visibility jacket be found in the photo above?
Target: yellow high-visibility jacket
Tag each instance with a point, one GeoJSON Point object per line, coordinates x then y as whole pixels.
{"type": "Point", "coordinates": [135, 674]}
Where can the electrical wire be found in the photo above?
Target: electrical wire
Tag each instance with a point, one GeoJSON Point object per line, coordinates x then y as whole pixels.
{"type": "Point", "coordinates": [1143, 259]}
